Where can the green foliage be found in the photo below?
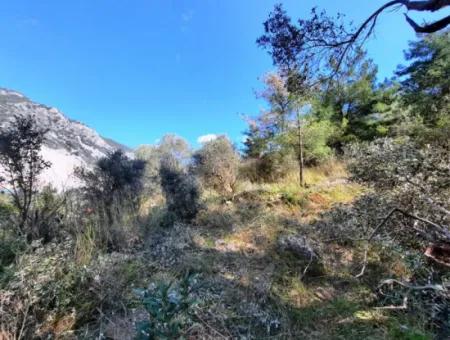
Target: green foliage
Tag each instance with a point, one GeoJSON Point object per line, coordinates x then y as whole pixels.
{"type": "Point", "coordinates": [425, 82]}
{"type": "Point", "coordinates": [169, 146]}
{"type": "Point", "coordinates": [358, 107]}
{"type": "Point", "coordinates": [6, 210]}
{"type": "Point", "coordinates": [408, 334]}
{"type": "Point", "coordinates": [316, 137]}
{"type": "Point", "coordinates": [115, 179]}
{"type": "Point", "coordinates": [294, 198]}
{"type": "Point", "coordinates": [46, 215]}
{"type": "Point", "coordinates": [216, 163]}
{"type": "Point", "coordinates": [274, 120]}
{"type": "Point", "coordinates": [169, 306]}
{"type": "Point", "coordinates": [273, 139]}
{"type": "Point", "coordinates": [115, 174]}
{"type": "Point", "coordinates": [46, 279]}
{"type": "Point", "coordinates": [255, 143]}
{"type": "Point", "coordinates": [109, 201]}
{"type": "Point", "coordinates": [10, 248]}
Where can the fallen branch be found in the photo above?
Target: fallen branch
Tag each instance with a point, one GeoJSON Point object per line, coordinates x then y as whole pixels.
{"type": "Point", "coordinates": [210, 327]}
{"type": "Point", "coordinates": [307, 266]}
{"type": "Point", "coordinates": [403, 306]}
{"type": "Point", "coordinates": [443, 230]}
{"type": "Point", "coordinates": [436, 287]}
{"type": "Point", "coordinates": [363, 269]}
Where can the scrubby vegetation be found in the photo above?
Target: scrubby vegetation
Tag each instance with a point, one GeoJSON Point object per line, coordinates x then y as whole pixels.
{"type": "Point", "coordinates": [332, 223]}
{"type": "Point", "coordinates": [216, 163]}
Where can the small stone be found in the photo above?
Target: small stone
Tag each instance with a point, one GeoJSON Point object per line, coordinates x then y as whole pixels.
{"type": "Point", "coordinates": [297, 245]}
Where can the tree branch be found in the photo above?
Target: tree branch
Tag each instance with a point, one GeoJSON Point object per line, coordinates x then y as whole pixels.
{"type": "Point", "coordinates": [429, 28]}
{"type": "Point", "coordinates": [430, 5]}
{"type": "Point", "coordinates": [436, 287]}
{"type": "Point", "coordinates": [426, 5]}
{"type": "Point", "coordinates": [441, 229]}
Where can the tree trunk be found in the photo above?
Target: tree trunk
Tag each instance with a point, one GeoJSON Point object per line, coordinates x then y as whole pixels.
{"type": "Point", "coordinates": [300, 150]}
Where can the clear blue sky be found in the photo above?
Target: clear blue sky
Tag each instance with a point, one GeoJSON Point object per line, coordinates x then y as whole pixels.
{"type": "Point", "coordinates": [137, 69]}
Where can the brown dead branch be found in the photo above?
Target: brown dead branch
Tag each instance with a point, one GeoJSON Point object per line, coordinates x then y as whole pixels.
{"type": "Point", "coordinates": [435, 287]}
{"type": "Point", "coordinates": [442, 230]}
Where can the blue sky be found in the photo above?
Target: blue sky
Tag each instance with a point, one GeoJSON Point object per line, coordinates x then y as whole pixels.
{"type": "Point", "coordinates": [137, 69]}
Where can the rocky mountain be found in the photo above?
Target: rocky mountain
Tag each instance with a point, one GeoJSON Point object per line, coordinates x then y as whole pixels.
{"type": "Point", "coordinates": [68, 143]}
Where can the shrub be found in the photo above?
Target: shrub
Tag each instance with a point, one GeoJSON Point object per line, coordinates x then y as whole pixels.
{"type": "Point", "coordinates": [169, 305]}
{"type": "Point", "coordinates": [46, 214]}
{"type": "Point", "coordinates": [10, 248]}
{"type": "Point", "coordinates": [6, 210]}
{"type": "Point", "coordinates": [20, 156]}
{"type": "Point", "coordinates": [221, 217]}
{"type": "Point", "coordinates": [114, 181]}
{"type": "Point", "coordinates": [110, 200]}
{"type": "Point", "coordinates": [216, 163]}
{"type": "Point", "coordinates": [411, 183]}
{"type": "Point", "coordinates": [409, 177]}
{"type": "Point", "coordinates": [180, 189]}
{"type": "Point", "coordinates": [267, 168]}
{"type": "Point", "coordinates": [46, 285]}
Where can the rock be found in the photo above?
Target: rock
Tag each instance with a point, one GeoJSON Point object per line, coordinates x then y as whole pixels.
{"type": "Point", "coordinates": [298, 245]}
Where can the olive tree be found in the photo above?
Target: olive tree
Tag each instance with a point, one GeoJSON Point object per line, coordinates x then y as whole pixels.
{"type": "Point", "coordinates": [216, 163]}
{"type": "Point", "coordinates": [169, 146]}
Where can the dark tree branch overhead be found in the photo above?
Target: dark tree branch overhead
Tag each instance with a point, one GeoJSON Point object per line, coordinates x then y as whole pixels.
{"type": "Point", "coordinates": [322, 42]}
{"type": "Point", "coordinates": [420, 6]}
{"type": "Point", "coordinates": [426, 5]}
{"type": "Point", "coordinates": [429, 28]}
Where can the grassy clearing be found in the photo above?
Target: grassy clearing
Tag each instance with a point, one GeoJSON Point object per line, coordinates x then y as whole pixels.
{"type": "Point", "coordinates": [245, 287]}
{"type": "Point", "coordinates": [234, 248]}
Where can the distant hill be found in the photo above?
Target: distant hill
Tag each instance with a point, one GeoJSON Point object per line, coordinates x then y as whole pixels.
{"type": "Point", "coordinates": [68, 143]}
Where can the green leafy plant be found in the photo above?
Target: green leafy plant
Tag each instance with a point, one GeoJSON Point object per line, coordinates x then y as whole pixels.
{"type": "Point", "coordinates": [169, 306]}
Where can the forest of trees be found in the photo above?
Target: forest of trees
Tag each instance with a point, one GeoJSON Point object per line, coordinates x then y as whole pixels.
{"type": "Point", "coordinates": [335, 210]}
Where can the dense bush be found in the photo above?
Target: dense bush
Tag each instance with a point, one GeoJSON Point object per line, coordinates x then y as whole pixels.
{"type": "Point", "coordinates": [111, 196]}
{"type": "Point", "coordinates": [46, 214]}
{"type": "Point", "coordinates": [114, 179]}
{"type": "Point", "coordinates": [45, 284]}
{"type": "Point", "coordinates": [267, 168]}
{"type": "Point", "coordinates": [180, 189]}
{"type": "Point", "coordinates": [216, 163]}
{"type": "Point", "coordinates": [409, 177]}
{"type": "Point", "coordinates": [169, 146]}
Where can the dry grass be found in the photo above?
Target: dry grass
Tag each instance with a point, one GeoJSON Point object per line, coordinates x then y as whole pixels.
{"type": "Point", "coordinates": [247, 286]}
{"type": "Point", "coordinates": [85, 246]}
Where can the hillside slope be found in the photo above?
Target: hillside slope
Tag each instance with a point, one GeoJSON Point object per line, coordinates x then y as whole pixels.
{"type": "Point", "coordinates": [68, 143]}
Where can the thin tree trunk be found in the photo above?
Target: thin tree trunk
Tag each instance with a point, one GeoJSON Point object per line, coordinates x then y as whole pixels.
{"type": "Point", "coordinates": [300, 149]}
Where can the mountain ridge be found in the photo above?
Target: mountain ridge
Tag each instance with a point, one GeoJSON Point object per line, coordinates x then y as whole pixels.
{"type": "Point", "coordinates": [69, 143]}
